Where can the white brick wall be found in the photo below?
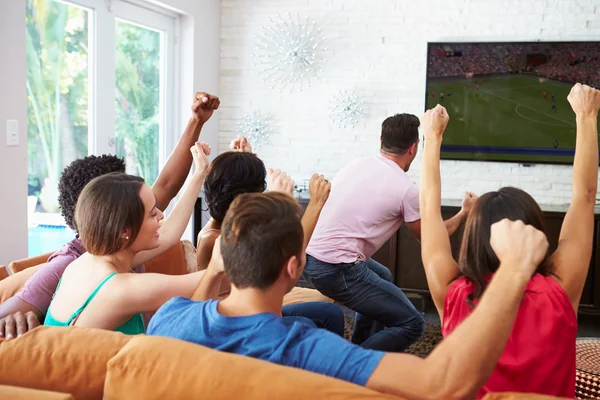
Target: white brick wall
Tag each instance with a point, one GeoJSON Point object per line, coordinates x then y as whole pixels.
{"type": "Point", "coordinates": [378, 49]}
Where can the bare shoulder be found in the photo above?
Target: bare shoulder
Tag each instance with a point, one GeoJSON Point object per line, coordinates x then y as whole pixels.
{"type": "Point", "coordinates": [207, 237]}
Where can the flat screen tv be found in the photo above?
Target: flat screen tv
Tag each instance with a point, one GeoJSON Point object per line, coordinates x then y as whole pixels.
{"type": "Point", "coordinates": [508, 101]}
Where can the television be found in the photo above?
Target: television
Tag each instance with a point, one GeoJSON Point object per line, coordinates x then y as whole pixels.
{"type": "Point", "coordinates": [507, 101]}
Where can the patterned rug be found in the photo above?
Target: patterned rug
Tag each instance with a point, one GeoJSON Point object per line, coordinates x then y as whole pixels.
{"type": "Point", "coordinates": [421, 348]}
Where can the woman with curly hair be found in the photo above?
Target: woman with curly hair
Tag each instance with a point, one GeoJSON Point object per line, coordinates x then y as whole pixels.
{"type": "Point", "coordinates": [24, 310]}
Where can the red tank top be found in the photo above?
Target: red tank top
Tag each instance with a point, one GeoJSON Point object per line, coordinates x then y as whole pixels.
{"type": "Point", "coordinates": [539, 356]}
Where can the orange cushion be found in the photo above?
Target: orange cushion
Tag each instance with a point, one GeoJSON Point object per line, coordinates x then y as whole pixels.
{"type": "Point", "coordinates": [17, 393]}
{"type": "Point", "coordinates": [20, 265]}
{"type": "Point", "coordinates": [518, 396]}
{"type": "Point", "coordinates": [11, 285]}
{"type": "Point", "coordinates": [152, 367]}
{"type": "Point", "coordinates": [3, 272]}
{"type": "Point", "coordinates": [69, 360]}
{"type": "Point", "coordinates": [304, 295]}
{"type": "Point", "coordinates": [171, 262]}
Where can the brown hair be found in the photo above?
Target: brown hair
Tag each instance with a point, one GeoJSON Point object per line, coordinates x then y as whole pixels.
{"type": "Point", "coordinates": [106, 207]}
{"type": "Point", "coordinates": [260, 232]}
{"type": "Point", "coordinates": [477, 259]}
{"type": "Point", "coordinates": [399, 132]}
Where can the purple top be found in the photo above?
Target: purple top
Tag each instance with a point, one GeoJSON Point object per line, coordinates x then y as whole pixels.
{"type": "Point", "coordinates": [40, 287]}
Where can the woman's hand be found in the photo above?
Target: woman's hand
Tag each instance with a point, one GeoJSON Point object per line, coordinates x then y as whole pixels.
{"type": "Point", "coordinates": [200, 152]}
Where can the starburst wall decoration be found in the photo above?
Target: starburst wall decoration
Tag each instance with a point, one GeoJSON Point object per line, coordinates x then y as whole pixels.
{"type": "Point", "coordinates": [256, 127]}
{"type": "Point", "coordinates": [346, 109]}
{"type": "Point", "coordinates": [289, 52]}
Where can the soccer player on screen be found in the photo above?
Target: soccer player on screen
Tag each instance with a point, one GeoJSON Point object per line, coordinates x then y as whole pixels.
{"type": "Point", "coordinates": [553, 106]}
{"type": "Point", "coordinates": [553, 96]}
{"type": "Point", "coordinates": [442, 96]}
{"type": "Point", "coordinates": [544, 95]}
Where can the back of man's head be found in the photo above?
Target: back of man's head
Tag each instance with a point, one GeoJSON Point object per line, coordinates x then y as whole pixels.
{"type": "Point", "coordinates": [259, 235]}
{"type": "Point", "coordinates": [399, 132]}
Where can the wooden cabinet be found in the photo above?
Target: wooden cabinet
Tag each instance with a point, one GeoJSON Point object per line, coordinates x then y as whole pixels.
{"type": "Point", "coordinates": [410, 275]}
{"type": "Point", "coordinates": [402, 254]}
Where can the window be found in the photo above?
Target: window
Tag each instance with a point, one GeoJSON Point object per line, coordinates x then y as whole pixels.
{"type": "Point", "coordinates": [97, 77]}
{"type": "Point", "coordinates": [137, 99]}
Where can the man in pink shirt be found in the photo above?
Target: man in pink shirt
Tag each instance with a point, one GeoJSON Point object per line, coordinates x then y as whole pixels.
{"type": "Point", "coordinates": [370, 199]}
{"type": "Point", "coordinates": [23, 311]}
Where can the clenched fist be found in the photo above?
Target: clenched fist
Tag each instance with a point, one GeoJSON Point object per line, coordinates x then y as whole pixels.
{"type": "Point", "coordinates": [240, 144]}
{"type": "Point", "coordinates": [584, 100]}
{"type": "Point", "coordinates": [279, 181]}
{"type": "Point", "coordinates": [204, 105]}
{"type": "Point", "coordinates": [518, 246]}
{"type": "Point", "coordinates": [434, 122]}
{"type": "Point", "coordinates": [319, 189]}
{"type": "Point", "coordinates": [200, 152]}
{"type": "Point", "coordinates": [468, 201]}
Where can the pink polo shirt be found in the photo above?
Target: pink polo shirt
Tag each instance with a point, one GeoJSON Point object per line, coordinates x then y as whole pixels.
{"type": "Point", "coordinates": [370, 199]}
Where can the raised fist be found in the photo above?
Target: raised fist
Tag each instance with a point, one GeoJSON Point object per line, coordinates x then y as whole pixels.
{"type": "Point", "coordinates": [204, 105]}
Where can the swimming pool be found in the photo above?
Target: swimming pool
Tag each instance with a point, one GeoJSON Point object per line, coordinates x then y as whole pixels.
{"type": "Point", "coordinates": [46, 238]}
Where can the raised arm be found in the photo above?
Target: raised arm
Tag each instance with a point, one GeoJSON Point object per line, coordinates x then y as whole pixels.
{"type": "Point", "coordinates": [173, 227]}
{"type": "Point", "coordinates": [147, 292]}
{"type": "Point", "coordinates": [319, 189]}
{"type": "Point", "coordinates": [436, 252]}
{"type": "Point", "coordinates": [173, 175]}
{"type": "Point", "coordinates": [462, 362]}
{"type": "Point", "coordinates": [204, 249]}
{"type": "Point", "coordinates": [215, 271]}
{"type": "Point", "coordinates": [571, 260]}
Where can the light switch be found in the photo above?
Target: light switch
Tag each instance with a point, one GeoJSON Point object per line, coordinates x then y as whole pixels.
{"type": "Point", "coordinates": [12, 132]}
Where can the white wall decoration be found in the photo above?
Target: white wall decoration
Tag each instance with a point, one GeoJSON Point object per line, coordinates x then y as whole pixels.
{"type": "Point", "coordinates": [346, 109]}
{"type": "Point", "coordinates": [256, 127]}
{"type": "Point", "coordinates": [289, 52]}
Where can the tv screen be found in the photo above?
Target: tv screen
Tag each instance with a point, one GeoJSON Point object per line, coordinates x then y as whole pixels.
{"type": "Point", "coordinates": [508, 101]}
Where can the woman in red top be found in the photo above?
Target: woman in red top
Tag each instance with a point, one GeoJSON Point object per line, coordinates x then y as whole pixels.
{"type": "Point", "coordinates": [539, 356]}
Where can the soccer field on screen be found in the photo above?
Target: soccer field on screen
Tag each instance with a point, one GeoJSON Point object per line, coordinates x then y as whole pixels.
{"type": "Point", "coordinates": [506, 119]}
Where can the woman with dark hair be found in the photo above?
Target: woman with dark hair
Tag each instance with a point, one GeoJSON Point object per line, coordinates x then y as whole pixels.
{"type": "Point", "coordinates": [120, 225]}
{"type": "Point", "coordinates": [540, 354]}
{"type": "Point", "coordinates": [236, 172]}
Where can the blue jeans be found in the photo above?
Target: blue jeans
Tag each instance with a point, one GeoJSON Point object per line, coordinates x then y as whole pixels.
{"type": "Point", "coordinates": [366, 287]}
{"type": "Point", "coordinates": [317, 315]}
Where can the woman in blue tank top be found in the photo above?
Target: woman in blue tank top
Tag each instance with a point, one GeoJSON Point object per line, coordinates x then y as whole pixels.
{"type": "Point", "coordinates": [120, 226]}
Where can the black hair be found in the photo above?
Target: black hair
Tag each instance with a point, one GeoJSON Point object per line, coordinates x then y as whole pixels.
{"type": "Point", "coordinates": [77, 175]}
{"type": "Point", "coordinates": [231, 174]}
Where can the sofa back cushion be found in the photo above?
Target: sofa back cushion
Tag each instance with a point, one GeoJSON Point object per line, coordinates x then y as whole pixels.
{"type": "Point", "coordinates": [20, 265]}
{"type": "Point", "coordinates": [152, 367]}
{"type": "Point", "coordinates": [69, 360]}
{"type": "Point", "coordinates": [17, 393]}
{"type": "Point", "coordinates": [171, 262]}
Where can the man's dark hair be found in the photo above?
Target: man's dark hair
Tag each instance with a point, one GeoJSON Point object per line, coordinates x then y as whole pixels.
{"type": "Point", "coordinates": [231, 174]}
{"type": "Point", "coordinates": [260, 232]}
{"type": "Point", "coordinates": [399, 132]}
{"type": "Point", "coordinates": [78, 174]}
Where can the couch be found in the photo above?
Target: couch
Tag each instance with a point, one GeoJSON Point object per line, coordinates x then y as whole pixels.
{"type": "Point", "coordinates": [80, 363]}
{"type": "Point", "coordinates": [178, 260]}
{"type": "Point", "coordinates": [98, 364]}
